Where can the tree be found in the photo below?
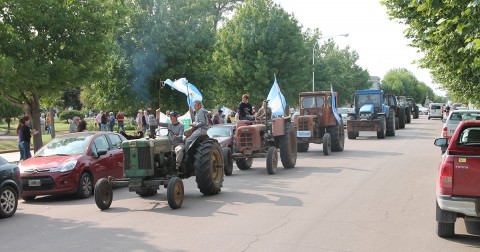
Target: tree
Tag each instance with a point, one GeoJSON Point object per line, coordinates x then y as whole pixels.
{"type": "Point", "coordinates": [259, 41]}
{"type": "Point", "coordinates": [50, 46]}
{"type": "Point", "coordinates": [8, 111]}
{"type": "Point", "coordinates": [402, 82]}
{"type": "Point", "coordinates": [447, 33]}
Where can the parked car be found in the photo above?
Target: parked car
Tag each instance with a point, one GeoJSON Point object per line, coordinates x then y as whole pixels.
{"type": "Point", "coordinates": [10, 187]}
{"type": "Point", "coordinates": [455, 118]}
{"type": "Point", "coordinates": [422, 109]}
{"type": "Point", "coordinates": [458, 190]}
{"type": "Point", "coordinates": [344, 113]}
{"type": "Point", "coordinates": [224, 134]}
{"type": "Point", "coordinates": [72, 163]}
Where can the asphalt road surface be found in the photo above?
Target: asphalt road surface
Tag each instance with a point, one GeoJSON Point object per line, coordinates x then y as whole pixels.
{"type": "Point", "coordinates": [377, 195]}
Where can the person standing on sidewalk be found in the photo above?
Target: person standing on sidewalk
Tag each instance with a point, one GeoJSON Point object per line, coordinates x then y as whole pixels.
{"type": "Point", "coordinates": [19, 134]}
{"type": "Point", "coordinates": [120, 121]}
{"type": "Point", "coordinates": [26, 135]}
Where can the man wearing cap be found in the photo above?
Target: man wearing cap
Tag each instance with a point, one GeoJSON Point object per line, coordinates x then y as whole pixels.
{"type": "Point", "coordinates": [74, 124]}
{"type": "Point", "coordinates": [264, 112]}
{"type": "Point", "coordinates": [175, 133]}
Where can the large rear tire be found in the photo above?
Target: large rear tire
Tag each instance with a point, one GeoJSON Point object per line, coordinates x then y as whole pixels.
{"type": "Point", "coordinates": [408, 115]}
{"type": "Point", "coordinates": [272, 160]}
{"type": "Point", "coordinates": [337, 134]}
{"type": "Point", "coordinates": [302, 147]}
{"type": "Point", "coordinates": [175, 192]}
{"type": "Point", "coordinates": [244, 163]}
{"type": "Point", "coordinates": [391, 123]}
{"type": "Point", "coordinates": [381, 133]}
{"type": "Point", "coordinates": [416, 114]}
{"type": "Point", "coordinates": [209, 167]}
{"type": "Point", "coordinates": [327, 144]}
{"type": "Point", "coordinates": [401, 118]}
{"type": "Point", "coordinates": [103, 194]}
{"type": "Point", "coordinates": [288, 146]}
{"type": "Point", "coordinates": [397, 123]}
{"type": "Point", "coordinates": [227, 160]}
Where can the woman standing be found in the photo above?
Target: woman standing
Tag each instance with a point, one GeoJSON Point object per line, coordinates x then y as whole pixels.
{"type": "Point", "coordinates": [19, 134]}
{"type": "Point", "coordinates": [26, 135]}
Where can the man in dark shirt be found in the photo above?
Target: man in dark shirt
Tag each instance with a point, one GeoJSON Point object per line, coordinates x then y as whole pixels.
{"type": "Point", "coordinates": [245, 109]}
{"type": "Point", "coordinates": [25, 136]}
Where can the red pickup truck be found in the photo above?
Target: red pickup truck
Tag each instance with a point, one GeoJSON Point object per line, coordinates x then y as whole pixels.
{"type": "Point", "coordinates": [458, 181]}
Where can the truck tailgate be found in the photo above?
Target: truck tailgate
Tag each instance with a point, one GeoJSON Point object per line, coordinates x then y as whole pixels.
{"type": "Point", "coordinates": [466, 175]}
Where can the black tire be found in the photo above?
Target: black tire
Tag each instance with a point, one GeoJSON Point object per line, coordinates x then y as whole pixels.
{"type": "Point", "coordinates": [327, 144]}
{"type": "Point", "coordinates": [391, 123]}
{"type": "Point", "coordinates": [397, 123]}
{"type": "Point", "coordinates": [85, 186]}
{"type": "Point", "coordinates": [302, 147]}
{"type": "Point", "coordinates": [28, 198]}
{"type": "Point", "coordinates": [8, 201]}
{"type": "Point", "coordinates": [381, 133]}
{"type": "Point", "coordinates": [272, 160]}
{"type": "Point", "coordinates": [408, 115]}
{"type": "Point", "coordinates": [288, 146]}
{"type": "Point", "coordinates": [209, 167]}
{"type": "Point", "coordinates": [445, 230]}
{"type": "Point", "coordinates": [352, 134]}
{"type": "Point", "coordinates": [401, 118]}
{"type": "Point", "coordinates": [103, 194]}
{"type": "Point", "coordinates": [227, 160]}
{"type": "Point", "coordinates": [244, 163]}
{"type": "Point", "coordinates": [337, 135]}
{"type": "Point", "coordinates": [416, 113]}
{"type": "Point", "coordinates": [146, 191]}
{"type": "Point", "coordinates": [175, 192]}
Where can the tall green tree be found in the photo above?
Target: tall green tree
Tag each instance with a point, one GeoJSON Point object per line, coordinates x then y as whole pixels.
{"type": "Point", "coordinates": [259, 41]}
{"type": "Point", "coordinates": [402, 82]}
{"type": "Point", "coordinates": [447, 34]}
{"type": "Point", "coordinates": [51, 45]}
{"type": "Point", "coordinates": [8, 110]}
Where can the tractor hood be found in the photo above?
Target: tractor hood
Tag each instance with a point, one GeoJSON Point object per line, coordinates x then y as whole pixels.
{"type": "Point", "coordinates": [367, 108]}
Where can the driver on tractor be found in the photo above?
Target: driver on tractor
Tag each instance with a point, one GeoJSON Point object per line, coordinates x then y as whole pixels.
{"type": "Point", "coordinates": [264, 112]}
{"type": "Point", "coordinates": [175, 134]}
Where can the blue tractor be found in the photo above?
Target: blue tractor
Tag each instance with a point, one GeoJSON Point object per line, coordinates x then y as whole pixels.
{"type": "Point", "coordinates": [371, 113]}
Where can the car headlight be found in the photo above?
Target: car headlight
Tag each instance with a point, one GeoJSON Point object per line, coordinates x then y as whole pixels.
{"type": "Point", "coordinates": [68, 166]}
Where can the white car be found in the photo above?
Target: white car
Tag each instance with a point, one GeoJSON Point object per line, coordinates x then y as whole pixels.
{"type": "Point", "coordinates": [422, 110]}
{"type": "Point", "coordinates": [455, 118]}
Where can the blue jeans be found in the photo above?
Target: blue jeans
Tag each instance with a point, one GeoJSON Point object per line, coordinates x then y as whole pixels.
{"type": "Point", "coordinates": [20, 149]}
{"type": "Point", "coordinates": [103, 127]}
{"type": "Point", "coordinates": [111, 125]}
{"type": "Point", "coordinates": [120, 125]}
{"type": "Point", "coordinates": [26, 150]}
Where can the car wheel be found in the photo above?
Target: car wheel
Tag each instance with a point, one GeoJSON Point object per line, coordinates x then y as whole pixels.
{"type": "Point", "coordinates": [85, 186]}
{"type": "Point", "coordinates": [8, 202]}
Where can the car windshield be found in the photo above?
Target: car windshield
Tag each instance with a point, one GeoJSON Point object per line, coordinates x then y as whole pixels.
{"type": "Point", "coordinates": [219, 132]}
{"type": "Point", "coordinates": [368, 99]}
{"type": "Point", "coordinates": [66, 146]}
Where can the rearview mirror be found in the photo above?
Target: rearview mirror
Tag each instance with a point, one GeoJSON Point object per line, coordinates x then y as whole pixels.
{"type": "Point", "coordinates": [441, 142]}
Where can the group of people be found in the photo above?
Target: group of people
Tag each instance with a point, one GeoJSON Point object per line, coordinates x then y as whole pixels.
{"type": "Point", "coordinates": [107, 123]}
{"type": "Point", "coordinates": [246, 112]}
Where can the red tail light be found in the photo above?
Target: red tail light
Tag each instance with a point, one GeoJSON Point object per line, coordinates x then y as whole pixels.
{"type": "Point", "coordinates": [446, 176]}
{"type": "Point", "coordinates": [444, 131]}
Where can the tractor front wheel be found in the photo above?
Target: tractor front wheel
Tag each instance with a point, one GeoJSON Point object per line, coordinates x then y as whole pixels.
{"type": "Point", "coordinates": [327, 144]}
{"type": "Point", "coordinates": [175, 192]}
{"type": "Point", "coordinates": [272, 160]}
{"type": "Point", "coordinates": [103, 194]}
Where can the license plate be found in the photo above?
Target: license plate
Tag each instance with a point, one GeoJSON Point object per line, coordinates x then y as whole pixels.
{"type": "Point", "coordinates": [304, 133]}
{"type": "Point", "coordinates": [34, 182]}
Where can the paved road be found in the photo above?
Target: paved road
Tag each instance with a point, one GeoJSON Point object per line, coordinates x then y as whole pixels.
{"type": "Point", "coordinates": [377, 195]}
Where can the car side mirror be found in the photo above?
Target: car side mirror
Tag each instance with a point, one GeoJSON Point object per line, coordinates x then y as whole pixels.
{"type": "Point", "coordinates": [441, 142]}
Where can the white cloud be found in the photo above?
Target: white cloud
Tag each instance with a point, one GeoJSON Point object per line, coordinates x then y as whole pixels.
{"type": "Point", "coordinates": [378, 40]}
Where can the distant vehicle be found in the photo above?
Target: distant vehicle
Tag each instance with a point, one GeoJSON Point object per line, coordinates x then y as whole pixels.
{"type": "Point", "coordinates": [422, 110]}
{"type": "Point", "coordinates": [10, 188]}
{"type": "Point", "coordinates": [435, 110]}
{"type": "Point", "coordinates": [456, 106]}
{"type": "Point", "coordinates": [458, 190]}
{"type": "Point", "coordinates": [72, 164]}
{"type": "Point", "coordinates": [454, 119]}
{"type": "Point", "coordinates": [344, 113]}
{"type": "Point", "coordinates": [224, 134]}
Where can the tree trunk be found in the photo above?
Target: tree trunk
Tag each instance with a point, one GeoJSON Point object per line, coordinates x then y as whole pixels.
{"type": "Point", "coordinates": [52, 120]}
{"type": "Point", "coordinates": [34, 112]}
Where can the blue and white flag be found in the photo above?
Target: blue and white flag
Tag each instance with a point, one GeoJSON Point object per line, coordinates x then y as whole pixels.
{"type": "Point", "coordinates": [276, 100]}
{"type": "Point", "coordinates": [334, 106]}
{"type": "Point", "coordinates": [188, 89]}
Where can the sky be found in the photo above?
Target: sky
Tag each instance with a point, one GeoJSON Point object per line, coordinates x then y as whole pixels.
{"type": "Point", "coordinates": [378, 40]}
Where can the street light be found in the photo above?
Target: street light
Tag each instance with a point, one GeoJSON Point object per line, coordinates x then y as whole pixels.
{"type": "Point", "coordinates": [313, 56]}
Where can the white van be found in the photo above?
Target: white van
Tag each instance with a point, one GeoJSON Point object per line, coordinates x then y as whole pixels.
{"type": "Point", "coordinates": [435, 110]}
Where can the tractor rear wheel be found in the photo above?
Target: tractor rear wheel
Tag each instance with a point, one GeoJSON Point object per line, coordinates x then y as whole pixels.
{"type": "Point", "coordinates": [352, 134]}
{"type": "Point", "coordinates": [381, 133]}
{"type": "Point", "coordinates": [397, 123]}
{"type": "Point", "coordinates": [272, 160]}
{"type": "Point", "coordinates": [288, 146]}
{"type": "Point", "coordinates": [227, 160]}
{"type": "Point", "coordinates": [209, 167]}
{"type": "Point", "coordinates": [103, 194]}
{"type": "Point", "coordinates": [327, 144]}
{"type": "Point", "coordinates": [337, 134]}
{"type": "Point", "coordinates": [244, 163]}
{"type": "Point", "coordinates": [401, 118]}
{"type": "Point", "coordinates": [302, 147]}
{"type": "Point", "coordinates": [175, 192]}
{"type": "Point", "coordinates": [408, 115]}
{"type": "Point", "coordinates": [391, 123]}
{"type": "Point", "coordinates": [416, 114]}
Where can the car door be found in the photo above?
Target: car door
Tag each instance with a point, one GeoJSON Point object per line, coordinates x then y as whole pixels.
{"type": "Point", "coordinates": [101, 164]}
{"type": "Point", "coordinates": [117, 152]}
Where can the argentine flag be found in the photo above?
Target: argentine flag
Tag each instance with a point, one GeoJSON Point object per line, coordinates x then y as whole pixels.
{"type": "Point", "coordinates": [188, 89]}
{"type": "Point", "coordinates": [276, 100]}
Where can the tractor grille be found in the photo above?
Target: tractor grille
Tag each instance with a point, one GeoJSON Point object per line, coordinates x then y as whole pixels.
{"type": "Point", "coordinates": [143, 160]}
{"type": "Point", "coordinates": [46, 183]}
{"type": "Point", "coordinates": [245, 140]}
{"type": "Point", "coordinates": [302, 125]}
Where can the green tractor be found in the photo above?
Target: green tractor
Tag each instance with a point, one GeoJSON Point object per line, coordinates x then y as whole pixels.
{"type": "Point", "coordinates": [150, 163]}
{"type": "Point", "coordinates": [403, 103]}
